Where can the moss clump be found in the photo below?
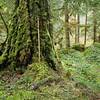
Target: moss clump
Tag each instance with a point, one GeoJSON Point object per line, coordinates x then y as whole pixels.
{"type": "Point", "coordinates": [34, 73]}
{"type": "Point", "coordinates": [41, 70]}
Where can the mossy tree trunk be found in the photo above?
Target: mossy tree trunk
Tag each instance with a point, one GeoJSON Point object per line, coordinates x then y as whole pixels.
{"type": "Point", "coordinates": [22, 43]}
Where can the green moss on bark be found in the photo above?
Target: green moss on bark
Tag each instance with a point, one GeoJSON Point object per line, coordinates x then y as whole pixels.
{"type": "Point", "coordinates": [22, 43]}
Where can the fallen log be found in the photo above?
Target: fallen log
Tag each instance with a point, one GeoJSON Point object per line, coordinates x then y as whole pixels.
{"type": "Point", "coordinates": [46, 81]}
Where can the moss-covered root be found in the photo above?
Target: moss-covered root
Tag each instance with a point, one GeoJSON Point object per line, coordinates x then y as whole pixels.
{"type": "Point", "coordinates": [2, 61]}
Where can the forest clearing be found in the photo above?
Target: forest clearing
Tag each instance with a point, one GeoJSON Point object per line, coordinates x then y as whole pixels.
{"type": "Point", "coordinates": [49, 49]}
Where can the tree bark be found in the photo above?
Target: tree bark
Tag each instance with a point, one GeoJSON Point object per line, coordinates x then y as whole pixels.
{"type": "Point", "coordinates": [94, 26]}
{"type": "Point", "coordinates": [67, 31]}
{"type": "Point", "coordinates": [77, 29]}
{"type": "Point", "coordinates": [85, 30]}
{"type": "Point", "coordinates": [22, 42]}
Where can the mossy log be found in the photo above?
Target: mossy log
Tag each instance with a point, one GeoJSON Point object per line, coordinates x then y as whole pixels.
{"type": "Point", "coordinates": [46, 81]}
{"type": "Point", "coordinates": [79, 47]}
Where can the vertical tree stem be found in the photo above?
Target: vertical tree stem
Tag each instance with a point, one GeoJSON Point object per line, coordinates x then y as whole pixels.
{"type": "Point", "coordinates": [39, 53]}
{"type": "Point", "coordinates": [85, 29]}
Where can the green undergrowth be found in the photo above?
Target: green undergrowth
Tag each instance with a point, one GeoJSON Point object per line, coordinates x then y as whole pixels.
{"type": "Point", "coordinates": [84, 67]}
{"type": "Point", "coordinates": [92, 54]}
{"type": "Point", "coordinates": [83, 82]}
{"type": "Point", "coordinates": [19, 87]}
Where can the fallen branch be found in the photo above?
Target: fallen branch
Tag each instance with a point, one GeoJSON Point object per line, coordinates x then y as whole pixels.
{"type": "Point", "coordinates": [46, 81]}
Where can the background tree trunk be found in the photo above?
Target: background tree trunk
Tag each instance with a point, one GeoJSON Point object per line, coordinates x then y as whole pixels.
{"type": "Point", "coordinates": [94, 25]}
{"type": "Point", "coordinates": [77, 29]}
{"type": "Point", "coordinates": [85, 30]}
{"type": "Point", "coordinates": [67, 31]}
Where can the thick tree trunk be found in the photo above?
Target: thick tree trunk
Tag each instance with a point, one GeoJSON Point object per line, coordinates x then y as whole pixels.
{"type": "Point", "coordinates": [46, 35]}
{"type": "Point", "coordinates": [30, 26]}
{"type": "Point", "coordinates": [67, 31]}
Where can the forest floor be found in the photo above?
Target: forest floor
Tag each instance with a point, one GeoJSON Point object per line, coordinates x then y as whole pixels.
{"type": "Point", "coordinates": [81, 82]}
